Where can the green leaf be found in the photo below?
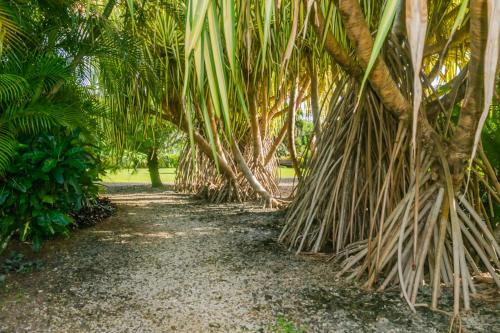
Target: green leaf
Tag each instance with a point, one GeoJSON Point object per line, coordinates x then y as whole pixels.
{"type": "Point", "coordinates": [268, 11]}
{"type": "Point", "coordinates": [12, 87]}
{"type": "Point", "coordinates": [59, 218]}
{"type": "Point", "coordinates": [18, 185]}
{"type": "Point", "coordinates": [74, 151]}
{"type": "Point", "coordinates": [36, 242]}
{"type": "Point", "coordinates": [47, 198]}
{"type": "Point", "coordinates": [218, 61]}
{"type": "Point", "coordinates": [49, 164]}
{"type": "Point", "coordinates": [459, 19]}
{"type": "Point", "coordinates": [59, 175]}
{"type": "Point", "coordinates": [196, 19]}
{"type": "Point", "coordinates": [3, 196]}
{"type": "Point", "coordinates": [228, 22]}
{"type": "Point", "coordinates": [6, 223]}
{"type": "Point", "coordinates": [388, 14]}
{"type": "Point", "coordinates": [35, 156]}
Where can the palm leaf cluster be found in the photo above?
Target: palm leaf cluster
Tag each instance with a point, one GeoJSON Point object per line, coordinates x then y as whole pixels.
{"type": "Point", "coordinates": [43, 85]}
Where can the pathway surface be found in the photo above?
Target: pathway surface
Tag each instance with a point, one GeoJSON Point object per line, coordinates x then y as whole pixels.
{"type": "Point", "coordinates": [168, 263]}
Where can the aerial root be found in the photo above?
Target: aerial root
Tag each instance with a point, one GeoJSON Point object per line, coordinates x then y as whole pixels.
{"type": "Point", "coordinates": [385, 222]}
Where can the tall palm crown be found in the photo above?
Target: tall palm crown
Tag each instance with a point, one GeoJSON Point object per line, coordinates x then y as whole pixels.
{"type": "Point", "coordinates": [43, 75]}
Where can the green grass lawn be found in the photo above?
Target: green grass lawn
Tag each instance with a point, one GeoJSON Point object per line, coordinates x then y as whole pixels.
{"type": "Point", "coordinates": [167, 175]}
{"type": "Point", "coordinates": [286, 172]}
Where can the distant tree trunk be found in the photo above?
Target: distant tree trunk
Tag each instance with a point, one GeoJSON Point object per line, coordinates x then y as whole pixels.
{"type": "Point", "coordinates": [254, 126]}
{"type": "Point", "coordinates": [291, 134]}
{"type": "Point", "coordinates": [154, 172]}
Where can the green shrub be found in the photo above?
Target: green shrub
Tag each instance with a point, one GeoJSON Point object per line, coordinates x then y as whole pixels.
{"type": "Point", "coordinates": [16, 262]}
{"type": "Point", "coordinates": [283, 325]}
{"type": "Point", "coordinates": [170, 161]}
{"type": "Point", "coordinates": [50, 177]}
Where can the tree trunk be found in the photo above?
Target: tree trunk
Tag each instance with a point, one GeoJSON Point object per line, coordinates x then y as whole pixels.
{"type": "Point", "coordinates": [380, 77]}
{"type": "Point", "coordinates": [462, 141]}
{"type": "Point", "coordinates": [254, 125]}
{"type": "Point", "coordinates": [330, 43]}
{"type": "Point", "coordinates": [291, 134]}
{"type": "Point", "coordinates": [250, 177]}
{"type": "Point", "coordinates": [314, 97]}
{"type": "Point", "coordinates": [276, 143]}
{"type": "Point", "coordinates": [154, 172]}
{"type": "Point", "coordinates": [181, 123]}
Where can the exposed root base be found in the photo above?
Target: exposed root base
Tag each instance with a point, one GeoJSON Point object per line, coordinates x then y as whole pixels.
{"type": "Point", "coordinates": [388, 219]}
{"type": "Point", "coordinates": [200, 177]}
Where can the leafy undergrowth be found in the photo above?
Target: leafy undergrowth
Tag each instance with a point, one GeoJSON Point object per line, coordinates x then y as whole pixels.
{"type": "Point", "coordinates": [87, 216]}
{"type": "Point", "coordinates": [284, 325]}
{"type": "Point", "coordinates": [50, 177]}
{"type": "Point", "coordinates": [16, 262]}
{"type": "Point", "coordinates": [91, 215]}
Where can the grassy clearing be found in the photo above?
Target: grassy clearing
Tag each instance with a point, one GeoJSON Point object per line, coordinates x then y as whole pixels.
{"type": "Point", "coordinates": [167, 175]}
{"type": "Point", "coordinates": [286, 172]}
{"type": "Point", "coordinates": [141, 175]}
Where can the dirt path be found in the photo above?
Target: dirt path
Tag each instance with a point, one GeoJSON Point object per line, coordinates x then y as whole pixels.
{"type": "Point", "coordinates": [168, 263]}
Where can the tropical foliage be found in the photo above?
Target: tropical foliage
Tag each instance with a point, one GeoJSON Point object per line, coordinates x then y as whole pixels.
{"type": "Point", "coordinates": [396, 183]}
{"type": "Point", "coordinates": [43, 82]}
{"type": "Point", "coordinates": [47, 117]}
{"type": "Point", "coordinates": [50, 177]}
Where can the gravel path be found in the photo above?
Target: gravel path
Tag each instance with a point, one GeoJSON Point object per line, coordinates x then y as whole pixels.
{"type": "Point", "coordinates": [168, 263]}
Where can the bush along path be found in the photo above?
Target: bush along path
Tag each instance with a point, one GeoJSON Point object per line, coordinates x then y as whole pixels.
{"type": "Point", "coordinates": [167, 263]}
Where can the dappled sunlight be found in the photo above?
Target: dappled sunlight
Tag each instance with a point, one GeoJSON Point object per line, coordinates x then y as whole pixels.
{"type": "Point", "coordinates": [130, 236]}
{"type": "Point", "coordinates": [160, 234]}
{"type": "Point", "coordinates": [146, 199]}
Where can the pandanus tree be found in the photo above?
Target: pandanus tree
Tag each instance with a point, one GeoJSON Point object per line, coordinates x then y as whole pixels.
{"type": "Point", "coordinates": [246, 75]}
{"type": "Point", "coordinates": [186, 65]}
{"type": "Point", "coordinates": [228, 89]}
{"type": "Point", "coordinates": [400, 188]}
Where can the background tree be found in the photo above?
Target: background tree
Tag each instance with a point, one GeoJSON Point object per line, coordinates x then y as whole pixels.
{"type": "Point", "coordinates": [230, 112]}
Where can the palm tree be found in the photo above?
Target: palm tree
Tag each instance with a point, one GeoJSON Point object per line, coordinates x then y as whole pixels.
{"type": "Point", "coordinates": [42, 49]}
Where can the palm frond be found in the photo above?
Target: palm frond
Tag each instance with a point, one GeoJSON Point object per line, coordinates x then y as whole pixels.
{"type": "Point", "coordinates": [12, 87]}
{"type": "Point", "coordinates": [10, 32]}
{"type": "Point", "coordinates": [7, 147]}
{"type": "Point", "coordinates": [42, 117]}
